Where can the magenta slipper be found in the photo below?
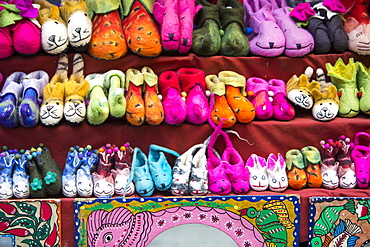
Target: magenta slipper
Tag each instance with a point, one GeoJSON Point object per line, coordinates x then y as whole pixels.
{"type": "Point", "coordinates": [282, 108]}
{"type": "Point", "coordinates": [258, 89]}
{"type": "Point", "coordinates": [6, 42]}
{"type": "Point", "coordinates": [26, 37]}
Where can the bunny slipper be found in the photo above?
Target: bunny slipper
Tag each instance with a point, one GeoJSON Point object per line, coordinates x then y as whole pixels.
{"type": "Point", "coordinates": [29, 108]}
{"type": "Point", "coordinates": [52, 107]}
{"type": "Point", "coordinates": [84, 183]}
{"type": "Point", "coordinates": [73, 162]}
{"type": "Point", "coordinates": [257, 167]}
{"type": "Point", "coordinates": [21, 181]}
{"type": "Point", "coordinates": [75, 91]}
{"type": "Point", "coordinates": [9, 97]}
{"type": "Point", "coordinates": [276, 171]}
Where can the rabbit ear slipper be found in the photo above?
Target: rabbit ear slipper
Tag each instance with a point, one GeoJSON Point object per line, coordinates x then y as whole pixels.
{"type": "Point", "coordinates": [9, 97]}
{"type": "Point", "coordinates": [54, 37]}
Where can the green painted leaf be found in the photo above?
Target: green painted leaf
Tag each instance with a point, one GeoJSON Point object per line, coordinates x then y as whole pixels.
{"type": "Point", "coordinates": [32, 243]}
{"type": "Point", "coordinates": [43, 232]}
{"type": "Point", "coordinates": [24, 222]}
{"type": "Point", "coordinates": [26, 208]}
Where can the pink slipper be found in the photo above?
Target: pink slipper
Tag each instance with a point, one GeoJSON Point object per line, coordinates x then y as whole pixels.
{"type": "Point", "coordinates": [6, 42]}
{"type": "Point", "coordinates": [258, 89]}
{"type": "Point", "coordinates": [282, 108]}
{"type": "Point", "coordinates": [26, 37]}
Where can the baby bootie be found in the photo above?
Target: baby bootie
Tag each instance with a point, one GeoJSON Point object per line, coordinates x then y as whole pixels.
{"type": "Point", "coordinates": [363, 86]}
{"type": "Point", "coordinates": [299, 91]}
{"type": "Point", "coordinates": [154, 114]}
{"type": "Point", "coordinates": [174, 106]}
{"type": "Point", "coordinates": [267, 39]}
{"type": "Point", "coordinates": [312, 159]}
{"type": "Point", "coordinates": [346, 169]}
{"type": "Point", "coordinates": [329, 165]}
{"type": "Point", "coordinates": [7, 162]}
{"type": "Point", "coordinates": [6, 42]}
{"type": "Point", "coordinates": [282, 108]}
{"type": "Point", "coordinates": [144, 184]}
{"type": "Point", "coordinates": [276, 171]}
{"type": "Point", "coordinates": [103, 178]}
{"type": "Point", "coordinates": [52, 107]}
{"type": "Point", "coordinates": [9, 98]}
{"type": "Point", "coordinates": [29, 108]}
{"type": "Point", "coordinates": [103, 186]}
{"type": "Point", "coordinates": [141, 32]}
{"type": "Point", "coordinates": [234, 42]}
{"type": "Point", "coordinates": [98, 107]}
{"type": "Point", "coordinates": [343, 76]}
{"type": "Point", "coordinates": [116, 95]}
{"type": "Point", "coordinates": [72, 164]}
{"type": "Point", "coordinates": [79, 25]}
{"type": "Point", "coordinates": [206, 35]}
{"type": "Point", "coordinates": [236, 96]}
{"type": "Point", "coordinates": [198, 179]}
{"type": "Point", "coordinates": [297, 177]}
{"type": "Point", "coordinates": [84, 182]}
{"type": "Point", "coordinates": [258, 90]}
{"type": "Point", "coordinates": [257, 167]}
{"type": "Point", "coordinates": [193, 83]}
{"type": "Point", "coordinates": [219, 107]}
{"type": "Point", "coordinates": [107, 40]}
{"type": "Point", "coordinates": [54, 37]}
{"type": "Point", "coordinates": [135, 111]}
{"type": "Point", "coordinates": [21, 178]}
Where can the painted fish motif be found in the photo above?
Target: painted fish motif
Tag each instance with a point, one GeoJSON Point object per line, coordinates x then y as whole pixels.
{"type": "Point", "coordinates": [344, 234]}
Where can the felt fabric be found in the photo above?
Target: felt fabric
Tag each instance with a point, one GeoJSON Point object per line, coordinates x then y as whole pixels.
{"type": "Point", "coordinates": [192, 82]}
{"type": "Point", "coordinates": [219, 107]}
{"type": "Point", "coordinates": [302, 12]}
{"type": "Point", "coordinates": [116, 95]}
{"type": "Point", "coordinates": [326, 104]}
{"type": "Point", "coordinates": [346, 169]}
{"type": "Point", "coordinates": [343, 76]}
{"type": "Point", "coordinates": [299, 90]}
{"type": "Point", "coordinates": [257, 167]}
{"type": "Point", "coordinates": [319, 31]}
{"type": "Point", "coordinates": [206, 35]}
{"type": "Point", "coordinates": [6, 42]}
{"type": "Point", "coordinates": [37, 186]}
{"type": "Point", "coordinates": [127, 5]}
{"type": "Point", "coordinates": [363, 86]}
{"type": "Point", "coordinates": [259, 97]}
{"type": "Point", "coordinates": [9, 98]}
{"type": "Point", "coordinates": [360, 157]}
{"type": "Point", "coordinates": [29, 107]}
{"type": "Point", "coordinates": [107, 40]}
{"type": "Point", "coordinates": [144, 184]}
{"type": "Point", "coordinates": [135, 109]}
{"type": "Point", "coordinates": [26, 37]}
{"type": "Point", "coordinates": [276, 171]}
{"type": "Point", "coordinates": [175, 109]}
{"type": "Point", "coordinates": [98, 107]}
{"type": "Point", "coordinates": [141, 32]}
{"type": "Point", "coordinates": [234, 42]}
{"type": "Point", "coordinates": [282, 108]}
{"type": "Point", "coordinates": [9, 14]}
{"type": "Point", "coordinates": [297, 177]}
{"type": "Point", "coordinates": [154, 113]}
{"type": "Point", "coordinates": [103, 7]}
{"type": "Point", "coordinates": [312, 159]}
{"type": "Point", "coordinates": [337, 34]}
{"type": "Point", "coordinates": [267, 39]}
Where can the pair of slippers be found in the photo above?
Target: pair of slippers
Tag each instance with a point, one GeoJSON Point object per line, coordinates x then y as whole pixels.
{"type": "Point", "coordinates": [269, 99]}
{"type": "Point", "coordinates": [184, 96]}
{"type": "Point", "coordinates": [360, 156]}
{"type": "Point", "coordinates": [65, 26]}
{"type": "Point", "coordinates": [229, 99]}
{"type": "Point", "coordinates": [152, 172]}
{"type": "Point", "coordinates": [267, 173]}
{"type": "Point", "coordinates": [19, 31]}
{"type": "Point", "coordinates": [337, 168]}
{"type": "Point", "coordinates": [274, 31]}
{"type": "Point", "coordinates": [175, 19]}
{"type": "Point", "coordinates": [64, 96]}
{"type": "Point", "coordinates": [20, 98]}
{"type": "Point", "coordinates": [303, 168]}
{"type": "Point", "coordinates": [219, 29]}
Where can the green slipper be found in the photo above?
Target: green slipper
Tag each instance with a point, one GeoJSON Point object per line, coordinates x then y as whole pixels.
{"type": "Point", "coordinates": [98, 108]}
{"type": "Point", "coordinates": [116, 98]}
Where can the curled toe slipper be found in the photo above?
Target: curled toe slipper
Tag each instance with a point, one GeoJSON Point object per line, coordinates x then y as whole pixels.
{"type": "Point", "coordinates": [9, 97]}
{"type": "Point", "coordinates": [29, 108]}
{"type": "Point", "coordinates": [98, 107]}
{"type": "Point", "coordinates": [135, 109]}
{"type": "Point", "coordinates": [282, 108]}
{"type": "Point", "coordinates": [175, 109]}
{"type": "Point", "coordinates": [193, 83]}
{"type": "Point", "coordinates": [26, 37]}
{"type": "Point", "coordinates": [116, 98]}
{"type": "Point", "coordinates": [6, 42]}
{"type": "Point", "coordinates": [258, 90]}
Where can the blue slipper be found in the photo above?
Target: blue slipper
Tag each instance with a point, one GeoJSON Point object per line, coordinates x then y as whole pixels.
{"type": "Point", "coordinates": [159, 168]}
{"type": "Point", "coordinates": [143, 181]}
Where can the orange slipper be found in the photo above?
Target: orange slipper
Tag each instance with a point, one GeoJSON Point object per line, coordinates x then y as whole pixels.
{"type": "Point", "coordinates": [135, 111]}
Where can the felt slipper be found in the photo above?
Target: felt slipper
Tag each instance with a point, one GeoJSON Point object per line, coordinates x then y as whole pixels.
{"type": "Point", "coordinates": [299, 91]}
{"type": "Point", "coordinates": [276, 171]}
{"type": "Point", "coordinates": [144, 184]}
{"type": "Point", "coordinates": [21, 178]}
{"type": "Point", "coordinates": [103, 185]}
{"type": "Point", "coordinates": [135, 110]}
{"type": "Point", "coordinates": [235, 85]}
{"type": "Point", "coordinates": [282, 108]}
{"type": "Point", "coordinates": [219, 107]}
{"type": "Point", "coordinates": [329, 165]}
{"type": "Point", "coordinates": [26, 37]}
{"type": "Point", "coordinates": [107, 40]}
{"type": "Point", "coordinates": [72, 164]}
{"type": "Point", "coordinates": [312, 160]}
{"type": "Point", "coordinates": [198, 179]}
{"type": "Point", "coordinates": [54, 37]}
{"type": "Point", "coordinates": [75, 91]}
{"type": "Point", "coordinates": [360, 156]}
{"type": "Point", "coordinates": [103, 178]}
{"type": "Point", "coordinates": [166, 13]}
{"type": "Point", "coordinates": [267, 39]}
{"type": "Point", "coordinates": [7, 158]}
{"type": "Point", "coordinates": [192, 82]}
{"type": "Point", "coordinates": [319, 32]}
{"type": "Point", "coordinates": [258, 95]}
{"type": "Point", "coordinates": [84, 183]}
{"type": "Point", "coordinates": [9, 98]}
{"type": "Point", "coordinates": [160, 169]}
{"type": "Point", "coordinates": [141, 32]}
{"type": "Point", "coordinates": [154, 113]}
{"type": "Point", "coordinates": [52, 107]}
{"type": "Point", "coordinates": [234, 42]}
{"type": "Point", "coordinates": [6, 42]}
{"type": "Point", "coordinates": [187, 11]}
{"type": "Point", "coordinates": [257, 167]}
{"type": "Point", "coordinates": [207, 33]}
{"type": "Point", "coordinates": [116, 95]}
{"type": "Point", "coordinates": [343, 76]}
{"type": "Point", "coordinates": [326, 104]}
{"type": "Point", "coordinates": [29, 107]}
{"type": "Point", "coordinates": [346, 169]}
{"type": "Point", "coordinates": [297, 176]}
{"type": "Point", "coordinates": [363, 86]}
{"type": "Point", "coordinates": [122, 174]}
{"type": "Point", "coordinates": [98, 107]}
{"type": "Point", "coordinates": [37, 185]}
{"type": "Point", "coordinates": [174, 106]}
{"type": "Point", "coordinates": [79, 25]}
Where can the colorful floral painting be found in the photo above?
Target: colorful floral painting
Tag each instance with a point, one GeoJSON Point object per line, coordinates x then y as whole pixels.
{"type": "Point", "coordinates": [339, 221]}
{"type": "Point", "coordinates": [244, 221]}
{"type": "Point", "coordinates": [33, 223]}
